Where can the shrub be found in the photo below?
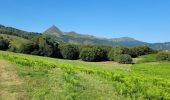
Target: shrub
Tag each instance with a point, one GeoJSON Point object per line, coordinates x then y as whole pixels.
{"type": "Point", "coordinates": [82, 46]}
{"type": "Point", "coordinates": [116, 51]}
{"type": "Point", "coordinates": [140, 50]}
{"type": "Point", "coordinates": [133, 53]}
{"type": "Point", "coordinates": [28, 48]}
{"type": "Point", "coordinates": [111, 54]}
{"type": "Point", "coordinates": [106, 50]}
{"type": "Point", "coordinates": [87, 54]}
{"type": "Point", "coordinates": [100, 53]}
{"type": "Point", "coordinates": [4, 44]}
{"type": "Point", "coordinates": [93, 54]}
{"type": "Point", "coordinates": [13, 48]}
{"type": "Point", "coordinates": [163, 56]}
{"type": "Point", "coordinates": [124, 59]}
{"type": "Point", "coordinates": [47, 47]}
{"type": "Point", "coordinates": [69, 51]}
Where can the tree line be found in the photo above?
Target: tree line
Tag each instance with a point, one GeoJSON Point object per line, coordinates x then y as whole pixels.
{"type": "Point", "coordinates": [44, 46]}
{"type": "Point", "coordinates": [17, 32]}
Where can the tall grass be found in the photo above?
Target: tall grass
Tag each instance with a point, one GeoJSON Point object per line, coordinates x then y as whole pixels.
{"type": "Point", "coordinates": [129, 83]}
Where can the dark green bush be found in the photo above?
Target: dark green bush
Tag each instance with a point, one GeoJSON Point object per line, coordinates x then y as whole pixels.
{"type": "Point", "coordinates": [47, 47]}
{"type": "Point", "coordinates": [100, 53]}
{"type": "Point", "coordinates": [133, 53]}
{"type": "Point", "coordinates": [4, 44]}
{"type": "Point", "coordinates": [124, 59]}
{"type": "Point", "coordinates": [28, 48]}
{"type": "Point", "coordinates": [69, 51]}
{"type": "Point", "coordinates": [140, 50]}
{"type": "Point", "coordinates": [82, 46]}
{"type": "Point", "coordinates": [93, 54]}
{"type": "Point", "coordinates": [41, 46]}
{"type": "Point", "coordinates": [116, 51]}
{"type": "Point", "coordinates": [104, 49]}
{"type": "Point", "coordinates": [163, 56]}
{"type": "Point", "coordinates": [87, 54]}
{"type": "Point", "coordinates": [112, 54]}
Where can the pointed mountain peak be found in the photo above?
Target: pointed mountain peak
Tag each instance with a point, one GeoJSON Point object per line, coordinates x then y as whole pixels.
{"type": "Point", "coordinates": [53, 29]}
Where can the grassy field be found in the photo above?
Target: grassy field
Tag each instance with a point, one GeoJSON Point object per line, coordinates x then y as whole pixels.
{"type": "Point", "coordinates": [42, 78]}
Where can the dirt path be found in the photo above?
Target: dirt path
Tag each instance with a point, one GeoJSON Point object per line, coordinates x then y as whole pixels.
{"type": "Point", "coordinates": [11, 86]}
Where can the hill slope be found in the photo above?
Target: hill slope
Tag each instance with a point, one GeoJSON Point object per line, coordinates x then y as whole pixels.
{"type": "Point", "coordinates": [58, 79]}
{"type": "Point", "coordinates": [17, 32]}
{"type": "Point", "coordinates": [15, 41]}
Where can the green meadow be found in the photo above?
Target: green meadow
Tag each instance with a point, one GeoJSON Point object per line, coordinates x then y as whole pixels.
{"type": "Point", "coordinates": [28, 77]}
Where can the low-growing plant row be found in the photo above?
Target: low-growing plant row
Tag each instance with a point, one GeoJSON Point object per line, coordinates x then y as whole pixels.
{"type": "Point", "coordinates": [130, 85]}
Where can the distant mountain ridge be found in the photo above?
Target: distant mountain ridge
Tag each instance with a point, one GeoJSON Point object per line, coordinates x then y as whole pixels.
{"type": "Point", "coordinates": [73, 37]}
{"type": "Point", "coordinates": [76, 38]}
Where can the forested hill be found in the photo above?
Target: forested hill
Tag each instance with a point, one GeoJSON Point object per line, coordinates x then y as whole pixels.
{"type": "Point", "coordinates": [17, 32]}
{"type": "Point", "coordinates": [73, 37]}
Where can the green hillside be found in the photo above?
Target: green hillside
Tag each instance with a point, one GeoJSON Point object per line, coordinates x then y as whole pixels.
{"type": "Point", "coordinates": [42, 78]}
{"type": "Point", "coordinates": [15, 41]}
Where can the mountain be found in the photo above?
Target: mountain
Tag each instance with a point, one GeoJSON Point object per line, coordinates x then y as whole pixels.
{"type": "Point", "coordinates": [161, 46]}
{"type": "Point", "coordinates": [53, 30]}
{"type": "Point", "coordinates": [73, 37]}
{"type": "Point", "coordinates": [77, 38]}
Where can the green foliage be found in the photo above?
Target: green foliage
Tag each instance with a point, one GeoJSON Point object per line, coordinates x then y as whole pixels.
{"type": "Point", "coordinates": [29, 48]}
{"type": "Point", "coordinates": [163, 56]}
{"type": "Point", "coordinates": [124, 59]}
{"type": "Point", "coordinates": [87, 54]}
{"type": "Point", "coordinates": [93, 54]}
{"type": "Point", "coordinates": [47, 47]}
{"type": "Point", "coordinates": [69, 51]}
{"type": "Point", "coordinates": [4, 44]}
{"type": "Point", "coordinates": [17, 32]}
{"type": "Point", "coordinates": [42, 77]}
{"type": "Point", "coordinates": [146, 58]}
{"type": "Point", "coordinates": [82, 46]}
{"type": "Point", "coordinates": [42, 46]}
{"type": "Point", "coordinates": [100, 53]}
{"type": "Point", "coordinates": [104, 49]}
{"type": "Point", "coordinates": [14, 42]}
{"type": "Point", "coordinates": [140, 50]}
{"type": "Point", "coordinates": [115, 52]}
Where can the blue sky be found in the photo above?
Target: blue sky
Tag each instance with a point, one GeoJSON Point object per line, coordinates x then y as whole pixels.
{"type": "Point", "coordinates": [146, 20]}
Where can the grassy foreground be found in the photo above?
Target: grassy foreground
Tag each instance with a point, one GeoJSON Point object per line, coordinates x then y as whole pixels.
{"type": "Point", "coordinates": [43, 78]}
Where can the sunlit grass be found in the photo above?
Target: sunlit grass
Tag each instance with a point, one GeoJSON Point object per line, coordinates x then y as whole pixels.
{"type": "Point", "coordinates": [49, 78]}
